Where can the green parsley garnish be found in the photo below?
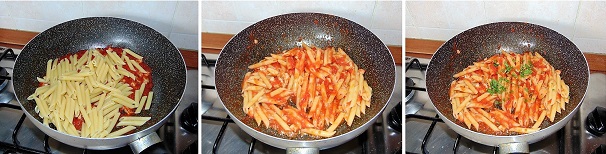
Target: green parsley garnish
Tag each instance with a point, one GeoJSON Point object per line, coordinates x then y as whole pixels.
{"type": "Point", "coordinates": [507, 68]}
{"type": "Point", "coordinates": [495, 63]}
{"type": "Point", "coordinates": [496, 87]}
{"type": "Point", "coordinates": [501, 80]}
{"type": "Point", "coordinates": [526, 70]}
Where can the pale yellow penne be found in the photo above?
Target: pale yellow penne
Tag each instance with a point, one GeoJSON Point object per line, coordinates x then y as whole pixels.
{"type": "Point", "coordinates": [141, 104]}
{"type": "Point", "coordinates": [116, 58]}
{"type": "Point", "coordinates": [523, 130]}
{"type": "Point", "coordinates": [128, 104]}
{"type": "Point", "coordinates": [150, 96]}
{"type": "Point", "coordinates": [130, 52]}
{"type": "Point", "coordinates": [48, 92]}
{"type": "Point", "coordinates": [133, 118]}
{"type": "Point", "coordinates": [336, 123]}
{"type": "Point", "coordinates": [277, 91]}
{"type": "Point", "coordinates": [118, 98]}
{"type": "Point", "coordinates": [131, 123]}
{"type": "Point", "coordinates": [42, 107]}
{"type": "Point", "coordinates": [351, 116]}
{"type": "Point", "coordinates": [70, 128]}
{"type": "Point", "coordinates": [263, 63]}
{"type": "Point", "coordinates": [49, 64]}
{"type": "Point", "coordinates": [136, 65]}
{"type": "Point", "coordinates": [85, 116]}
{"type": "Point", "coordinates": [92, 114]}
{"type": "Point", "coordinates": [263, 116]}
{"type": "Point", "coordinates": [280, 121]}
{"type": "Point", "coordinates": [121, 131]}
{"type": "Point", "coordinates": [137, 97]}
{"type": "Point", "coordinates": [257, 118]}
{"type": "Point", "coordinates": [124, 72]}
{"type": "Point", "coordinates": [319, 132]}
{"type": "Point", "coordinates": [113, 121]}
{"type": "Point", "coordinates": [466, 121]}
{"type": "Point", "coordinates": [109, 109]}
{"type": "Point", "coordinates": [128, 63]}
{"type": "Point", "coordinates": [45, 122]}
{"type": "Point", "coordinates": [105, 87]}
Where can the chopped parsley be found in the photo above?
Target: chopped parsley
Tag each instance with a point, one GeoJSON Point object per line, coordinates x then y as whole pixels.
{"type": "Point", "coordinates": [495, 63]}
{"type": "Point", "coordinates": [496, 87]}
{"type": "Point", "coordinates": [526, 70]}
{"type": "Point", "coordinates": [507, 68]}
{"type": "Point", "coordinates": [503, 80]}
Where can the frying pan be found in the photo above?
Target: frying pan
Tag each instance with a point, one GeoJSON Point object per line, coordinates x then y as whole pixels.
{"type": "Point", "coordinates": [166, 62]}
{"type": "Point", "coordinates": [282, 32]}
{"type": "Point", "coordinates": [484, 41]}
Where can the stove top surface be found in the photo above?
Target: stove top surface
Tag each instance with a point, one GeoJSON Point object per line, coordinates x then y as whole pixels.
{"type": "Point", "coordinates": [573, 138]}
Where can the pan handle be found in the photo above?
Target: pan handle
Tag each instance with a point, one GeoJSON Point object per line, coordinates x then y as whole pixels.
{"type": "Point", "coordinates": [302, 151]}
{"type": "Point", "coordinates": [514, 147]}
{"type": "Point", "coordinates": [149, 143]}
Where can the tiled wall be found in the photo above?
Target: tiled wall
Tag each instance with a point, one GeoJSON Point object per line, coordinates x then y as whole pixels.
{"type": "Point", "coordinates": [384, 19]}
{"type": "Point", "coordinates": [582, 22]}
{"type": "Point", "coordinates": [178, 21]}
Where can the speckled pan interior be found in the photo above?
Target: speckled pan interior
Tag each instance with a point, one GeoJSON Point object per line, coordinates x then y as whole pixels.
{"type": "Point", "coordinates": [487, 40]}
{"type": "Point", "coordinates": [286, 31]}
{"type": "Point", "coordinates": [166, 62]}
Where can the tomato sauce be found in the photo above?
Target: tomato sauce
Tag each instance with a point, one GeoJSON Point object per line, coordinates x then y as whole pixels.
{"type": "Point", "coordinates": [77, 121]}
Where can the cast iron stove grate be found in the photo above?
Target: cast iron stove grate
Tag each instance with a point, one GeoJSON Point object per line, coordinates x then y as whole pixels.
{"type": "Point", "coordinates": [15, 146]}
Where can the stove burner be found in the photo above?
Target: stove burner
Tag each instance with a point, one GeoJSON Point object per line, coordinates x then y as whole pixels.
{"type": "Point", "coordinates": [3, 78]}
{"type": "Point", "coordinates": [395, 118]}
{"type": "Point", "coordinates": [600, 150]}
{"type": "Point", "coordinates": [409, 92]}
{"type": "Point", "coordinates": [596, 121]}
{"type": "Point", "coordinates": [189, 118]}
{"type": "Point", "coordinates": [8, 54]}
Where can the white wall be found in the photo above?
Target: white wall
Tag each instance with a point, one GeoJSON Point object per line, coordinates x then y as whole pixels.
{"type": "Point", "coordinates": [582, 22]}
{"type": "Point", "coordinates": [178, 21]}
{"type": "Point", "coordinates": [384, 19]}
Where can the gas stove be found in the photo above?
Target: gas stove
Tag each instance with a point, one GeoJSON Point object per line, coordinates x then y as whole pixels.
{"type": "Point", "coordinates": [426, 133]}
{"type": "Point", "coordinates": [221, 135]}
{"type": "Point", "coordinates": [19, 135]}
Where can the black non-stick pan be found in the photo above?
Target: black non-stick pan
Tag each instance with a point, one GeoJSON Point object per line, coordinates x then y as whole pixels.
{"type": "Point", "coordinates": [166, 62]}
{"type": "Point", "coordinates": [283, 32]}
{"type": "Point", "coordinates": [487, 40]}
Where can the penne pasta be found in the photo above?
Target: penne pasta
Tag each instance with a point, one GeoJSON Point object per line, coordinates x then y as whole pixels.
{"type": "Point", "coordinates": [511, 93]}
{"type": "Point", "coordinates": [313, 98]}
{"type": "Point", "coordinates": [120, 131]}
{"type": "Point", "coordinates": [84, 95]}
{"type": "Point", "coordinates": [131, 123]}
{"type": "Point", "coordinates": [134, 118]}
